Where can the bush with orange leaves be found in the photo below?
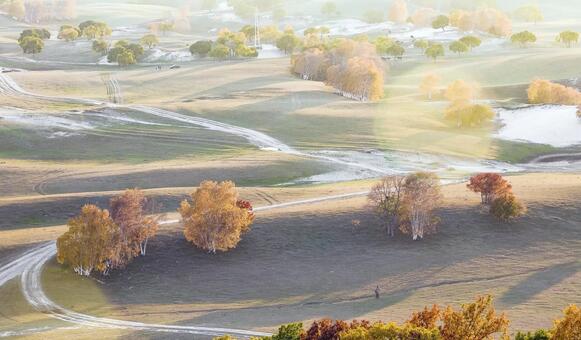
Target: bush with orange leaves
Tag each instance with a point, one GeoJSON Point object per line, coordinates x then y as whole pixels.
{"type": "Point", "coordinates": [474, 321]}
{"type": "Point", "coordinates": [489, 185]}
{"type": "Point", "coordinates": [542, 91]}
{"type": "Point", "coordinates": [426, 318]}
{"type": "Point", "coordinates": [569, 327]}
{"type": "Point", "coordinates": [216, 219]}
{"type": "Point", "coordinates": [327, 329]}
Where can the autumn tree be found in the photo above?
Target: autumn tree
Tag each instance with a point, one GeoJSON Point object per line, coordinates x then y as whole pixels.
{"type": "Point", "coordinates": [471, 41]}
{"type": "Point", "coordinates": [441, 22]}
{"type": "Point", "coordinates": [68, 33]}
{"type": "Point", "coordinates": [459, 47]}
{"type": "Point", "coordinates": [426, 318]}
{"type": "Point", "coordinates": [389, 331]}
{"type": "Point", "coordinates": [568, 38]}
{"type": "Point", "coordinates": [291, 331]}
{"type": "Point", "coordinates": [434, 51]}
{"type": "Point", "coordinates": [385, 199]}
{"type": "Point", "coordinates": [523, 38]}
{"type": "Point", "coordinates": [421, 197]}
{"type": "Point", "coordinates": [489, 185]}
{"type": "Point", "coordinates": [507, 207]}
{"type": "Point", "coordinates": [149, 40]}
{"type": "Point", "coordinates": [429, 84]}
{"type": "Point", "coordinates": [569, 327]}
{"type": "Point", "coordinates": [474, 321]}
{"type": "Point", "coordinates": [398, 12]}
{"type": "Point", "coordinates": [94, 29]}
{"type": "Point", "coordinates": [542, 91]}
{"type": "Point", "coordinates": [89, 244]}
{"type": "Point", "coordinates": [129, 213]}
{"type": "Point", "coordinates": [215, 219]}
{"type": "Point", "coordinates": [327, 329]}
{"type": "Point", "coordinates": [219, 51]}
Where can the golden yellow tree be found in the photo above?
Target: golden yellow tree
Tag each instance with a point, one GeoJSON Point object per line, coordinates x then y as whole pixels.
{"type": "Point", "coordinates": [542, 91]}
{"type": "Point", "coordinates": [569, 327]}
{"type": "Point", "coordinates": [89, 243]}
{"type": "Point", "coordinates": [429, 84]}
{"type": "Point", "coordinates": [215, 219]}
{"type": "Point", "coordinates": [475, 321]}
{"type": "Point", "coordinates": [426, 318]}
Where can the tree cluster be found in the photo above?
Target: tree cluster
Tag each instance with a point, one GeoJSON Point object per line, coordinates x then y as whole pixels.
{"type": "Point", "coordinates": [523, 38]}
{"type": "Point", "coordinates": [486, 19]}
{"type": "Point", "coordinates": [227, 45]}
{"type": "Point", "coordinates": [352, 68]}
{"type": "Point", "coordinates": [386, 46]}
{"type": "Point", "coordinates": [529, 13]}
{"type": "Point", "coordinates": [215, 219]}
{"type": "Point", "coordinates": [496, 192]}
{"type": "Point", "coordinates": [542, 91]}
{"type": "Point", "coordinates": [32, 40]}
{"type": "Point", "coordinates": [568, 38]}
{"type": "Point", "coordinates": [125, 53]}
{"type": "Point", "coordinates": [465, 44]}
{"type": "Point", "coordinates": [94, 29]}
{"type": "Point", "coordinates": [101, 240]}
{"type": "Point", "coordinates": [407, 203]}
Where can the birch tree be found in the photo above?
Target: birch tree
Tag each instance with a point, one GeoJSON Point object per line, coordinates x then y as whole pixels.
{"type": "Point", "coordinates": [215, 219]}
{"type": "Point", "coordinates": [421, 197]}
{"type": "Point", "coordinates": [385, 199]}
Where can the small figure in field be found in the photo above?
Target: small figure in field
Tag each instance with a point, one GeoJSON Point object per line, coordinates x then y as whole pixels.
{"type": "Point", "coordinates": [377, 292]}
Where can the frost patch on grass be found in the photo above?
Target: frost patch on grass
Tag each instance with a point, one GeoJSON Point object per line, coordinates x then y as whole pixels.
{"type": "Point", "coordinates": [555, 125]}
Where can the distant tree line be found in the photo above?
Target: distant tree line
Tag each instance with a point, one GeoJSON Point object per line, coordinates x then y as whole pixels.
{"type": "Point", "coordinates": [38, 11]}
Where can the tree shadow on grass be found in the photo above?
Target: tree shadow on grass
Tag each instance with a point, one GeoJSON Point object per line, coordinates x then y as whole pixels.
{"type": "Point", "coordinates": [538, 282]}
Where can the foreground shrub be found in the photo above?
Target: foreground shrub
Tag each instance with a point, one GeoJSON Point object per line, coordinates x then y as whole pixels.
{"type": "Point", "coordinates": [541, 334]}
{"type": "Point", "coordinates": [569, 327]}
{"type": "Point", "coordinates": [426, 318]}
{"type": "Point", "coordinates": [545, 92]}
{"type": "Point", "coordinates": [327, 329]}
{"type": "Point", "coordinates": [383, 331]}
{"type": "Point", "coordinates": [507, 207]}
{"type": "Point", "coordinates": [216, 219]}
{"type": "Point", "coordinates": [475, 321]}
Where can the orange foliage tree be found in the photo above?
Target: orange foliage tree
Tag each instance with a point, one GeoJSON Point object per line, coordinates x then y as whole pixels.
{"type": "Point", "coordinates": [429, 84]}
{"type": "Point", "coordinates": [543, 91]}
{"type": "Point", "coordinates": [89, 244]}
{"type": "Point", "coordinates": [489, 185]}
{"type": "Point", "coordinates": [398, 11]}
{"type": "Point", "coordinates": [486, 19]}
{"type": "Point", "coordinates": [128, 212]}
{"type": "Point", "coordinates": [426, 318]}
{"type": "Point", "coordinates": [216, 219]}
{"type": "Point", "coordinates": [327, 329]}
{"type": "Point", "coordinates": [475, 321]}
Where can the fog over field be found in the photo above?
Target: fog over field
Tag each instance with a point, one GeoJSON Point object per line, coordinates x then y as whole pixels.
{"type": "Point", "coordinates": [290, 170]}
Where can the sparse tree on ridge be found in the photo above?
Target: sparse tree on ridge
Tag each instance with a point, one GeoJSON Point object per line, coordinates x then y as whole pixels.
{"type": "Point", "coordinates": [149, 40]}
{"type": "Point", "coordinates": [441, 22]}
{"type": "Point", "coordinates": [568, 38]}
{"type": "Point", "coordinates": [215, 219]}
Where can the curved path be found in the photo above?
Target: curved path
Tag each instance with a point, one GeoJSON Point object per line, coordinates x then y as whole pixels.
{"type": "Point", "coordinates": [29, 266]}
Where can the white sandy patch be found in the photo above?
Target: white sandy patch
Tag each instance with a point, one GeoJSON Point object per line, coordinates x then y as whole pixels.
{"type": "Point", "coordinates": [159, 55]}
{"type": "Point", "coordinates": [269, 51]}
{"type": "Point", "coordinates": [555, 125]}
{"type": "Point", "coordinates": [43, 121]}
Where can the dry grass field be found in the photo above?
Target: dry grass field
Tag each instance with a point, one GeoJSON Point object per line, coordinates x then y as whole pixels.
{"type": "Point", "coordinates": [306, 262]}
